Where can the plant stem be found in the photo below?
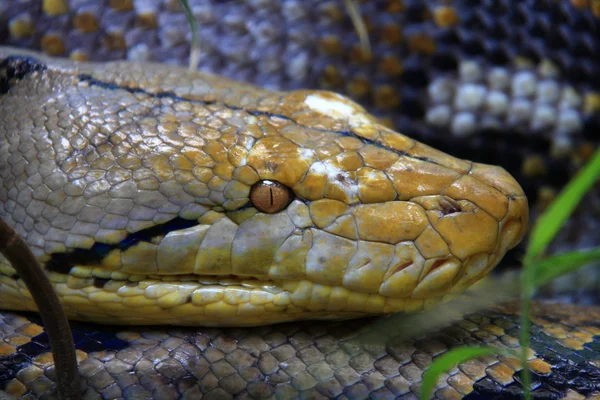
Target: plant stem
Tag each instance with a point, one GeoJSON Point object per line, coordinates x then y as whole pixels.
{"type": "Point", "coordinates": [527, 276]}
{"type": "Point", "coordinates": [53, 316]}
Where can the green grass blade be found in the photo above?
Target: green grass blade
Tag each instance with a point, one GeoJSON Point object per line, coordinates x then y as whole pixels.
{"type": "Point", "coordinates": [448, 360]}
{"type": "Point", "coordinates": [548, 225]}
{"type": "Point", "coordinates": [543, 232]}
{"type": "Point", "coordinates": [194, 51]}
{"type": "Point", "coordinates": [562, 264]}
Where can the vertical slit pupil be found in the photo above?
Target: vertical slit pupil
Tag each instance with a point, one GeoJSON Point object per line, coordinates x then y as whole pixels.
{"type": "Point", "coordinates": [271, 195]}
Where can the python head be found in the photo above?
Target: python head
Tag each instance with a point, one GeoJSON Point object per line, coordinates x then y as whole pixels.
{"type": "Point", "coordinates": [154, 195]}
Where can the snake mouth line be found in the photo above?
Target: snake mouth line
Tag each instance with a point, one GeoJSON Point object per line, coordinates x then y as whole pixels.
{"type": "Point", "coordinates": [98, 279]}
{"type": "Point", "coordinates": [171, 292]}
{"type": "Point", "coordinates": [101, 276]}
{"type": "Point", "coordinates": [80, 277]}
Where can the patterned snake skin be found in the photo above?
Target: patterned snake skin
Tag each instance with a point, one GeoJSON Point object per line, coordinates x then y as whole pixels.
{"type": "Point", "coordinates": [436, 69]}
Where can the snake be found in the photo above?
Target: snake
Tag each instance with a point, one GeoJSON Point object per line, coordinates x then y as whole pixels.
{"type": "Point", "coordinates": [218, 203]}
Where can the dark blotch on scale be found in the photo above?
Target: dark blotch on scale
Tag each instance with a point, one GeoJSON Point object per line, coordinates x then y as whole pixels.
{"type": "Point", "coordinates": [16, 68]}
{"type": "Point", "coordinates": [10, 365]}
{"type": "Point", "coordinates": [99, 282]}
{"type": "Point", "coordinates": [87, 337]}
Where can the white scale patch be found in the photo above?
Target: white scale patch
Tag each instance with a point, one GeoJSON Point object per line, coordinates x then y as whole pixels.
{"type": "Point", "coordinates": [334, 108]}
{"type": "Point", "coordinates": [347, 185]}
{"type": "Point", "coordinates": [342, 108]}
{"type": "Point", "coordinates": [306, 154]}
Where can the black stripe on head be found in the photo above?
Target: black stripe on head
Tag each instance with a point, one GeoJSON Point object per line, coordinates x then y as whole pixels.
{"type": "Point", "coordinates": [92, 81]}
{"type": "Point", "coordinates": [14, 68]}
{"type": "Point", "coordinates": [63, 262]}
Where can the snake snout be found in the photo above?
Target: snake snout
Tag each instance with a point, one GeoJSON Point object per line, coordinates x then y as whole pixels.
{"type": "Point", "coordinates": [482, 214]}
{"type": "Point", "coordinates": [515, 222]}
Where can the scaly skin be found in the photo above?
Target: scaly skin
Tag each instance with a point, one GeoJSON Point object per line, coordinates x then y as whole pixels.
{"type": "Point", "coordinates": [347, 360]}
{"type": "Point", "coordinates": [95, 157]}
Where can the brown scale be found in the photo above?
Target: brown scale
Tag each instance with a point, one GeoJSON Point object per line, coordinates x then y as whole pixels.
{"type": "Point", "coordinates": [85, 22]}
{"type": "Point", "coordinates": [53, 44]}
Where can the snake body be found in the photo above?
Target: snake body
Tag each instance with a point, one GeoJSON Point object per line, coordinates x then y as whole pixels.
{"type": "Point", "coordinates": [357, 359]}
{"type": "Point", "coordinates": [310, 360]}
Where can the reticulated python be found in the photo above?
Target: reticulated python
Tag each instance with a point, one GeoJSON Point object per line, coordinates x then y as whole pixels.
{"type": "Point", "coordinates": [326, 370]}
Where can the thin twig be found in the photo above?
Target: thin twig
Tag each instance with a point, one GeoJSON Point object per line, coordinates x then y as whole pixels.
{"type": "Point", "coordinates": [359, 25]}
{"type": "Point", "coordinates": [53, 316]}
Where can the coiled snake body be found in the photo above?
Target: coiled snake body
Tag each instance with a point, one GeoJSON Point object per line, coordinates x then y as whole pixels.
{"type": "Point", "coordinates": [134, 185]}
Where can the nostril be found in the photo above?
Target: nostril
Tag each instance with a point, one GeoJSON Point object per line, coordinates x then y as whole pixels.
{"type": "Point", "coordinates": [449, 206]}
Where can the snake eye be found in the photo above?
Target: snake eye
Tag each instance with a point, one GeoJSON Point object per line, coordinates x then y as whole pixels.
{"type": "Point", "coordinates": [270, 196]}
